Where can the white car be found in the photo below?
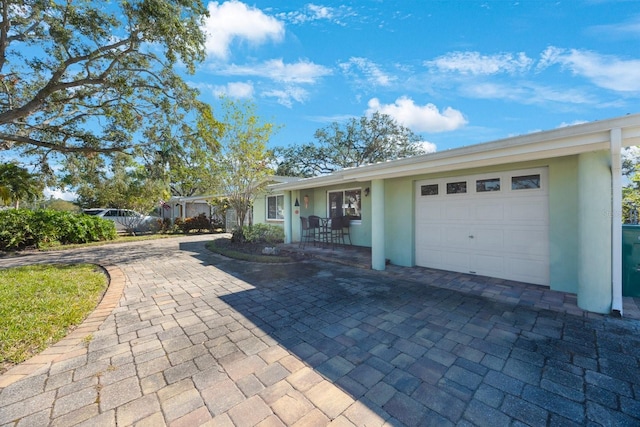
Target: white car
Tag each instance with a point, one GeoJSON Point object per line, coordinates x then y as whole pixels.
{"type": "Point", "coordinates": [125, 220]}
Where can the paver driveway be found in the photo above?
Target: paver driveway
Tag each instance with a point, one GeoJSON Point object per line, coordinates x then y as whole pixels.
{"type": "Point", "coordinates": [200, 339]}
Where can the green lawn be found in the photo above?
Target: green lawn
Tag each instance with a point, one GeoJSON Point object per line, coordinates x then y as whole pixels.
{"type": "Point", "coordinates": [40, 303]}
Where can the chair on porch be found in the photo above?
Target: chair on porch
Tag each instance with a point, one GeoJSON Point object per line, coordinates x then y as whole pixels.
{"type": "Point", "coordinates": [320, 232]}
{"type": "Point", "coordinates": [346, 221]}
{"type": "Point", "coordinates": [307, 232]}
{"type": "Point", "coordinates": [335, 230]}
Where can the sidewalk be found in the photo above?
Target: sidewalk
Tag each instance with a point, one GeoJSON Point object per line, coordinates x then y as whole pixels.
{"type": "Point", "coordinates": [197, 339]}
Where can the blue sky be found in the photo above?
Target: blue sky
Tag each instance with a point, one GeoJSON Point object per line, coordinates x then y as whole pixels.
{"type": "Point", "coordinates": [455, 72]}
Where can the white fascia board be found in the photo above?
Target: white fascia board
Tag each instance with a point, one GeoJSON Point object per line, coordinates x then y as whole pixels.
{"type": "Point", "coordinates": [565, 141]}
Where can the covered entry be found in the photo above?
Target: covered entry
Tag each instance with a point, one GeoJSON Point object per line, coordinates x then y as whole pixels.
{"type": "Point", "coordinates": [494, 224]}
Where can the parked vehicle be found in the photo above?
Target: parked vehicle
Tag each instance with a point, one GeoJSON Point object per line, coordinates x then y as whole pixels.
{"type": "Point", "coordinates": [125, 220]}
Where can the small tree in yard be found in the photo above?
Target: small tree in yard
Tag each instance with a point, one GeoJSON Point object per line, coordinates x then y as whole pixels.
{"type": "Point", "coordinates": [124, 184]}
{"type": "Point", "coordinates": [243, 170]}
{"type": "Point", "coordinates": [17, 184]}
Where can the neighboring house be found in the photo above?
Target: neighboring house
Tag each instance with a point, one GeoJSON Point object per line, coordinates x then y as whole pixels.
{"type": "Point", "coordinates": [543, 208]}
{"type": "Point", "coordinates": [267, 208]}
{"type": "Point", "coordinates": [186, 207]}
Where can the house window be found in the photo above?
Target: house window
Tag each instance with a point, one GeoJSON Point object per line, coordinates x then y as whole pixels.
{"type": "Point", "coordinates": [345, 203]}
{"type": "Point", "coordinates": [429, 190]}
{"type": "Point", "coordinates": [483, 185]}
{"type": "Point", "coordinates": [275, 208]}
{"type": "Point", "coordinates": [456, 187]}
{"type": "Point", "coordinates": [525, 182]}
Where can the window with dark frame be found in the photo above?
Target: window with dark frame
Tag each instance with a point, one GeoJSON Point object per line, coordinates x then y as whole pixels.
{"type": "Point", "coordinates": [525, 182]}
{"type": "Point", "coordinates": [429, 190]}
{"type": "Point", "coordinates": [345, 203]}
{"type": "Point", "coordinates": [457, 187]}
{"type": "Point", "coordinates": [485, 185]}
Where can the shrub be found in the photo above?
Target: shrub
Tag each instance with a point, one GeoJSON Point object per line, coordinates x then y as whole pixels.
{"type": "Point", "coordinates": [22, 228]}
{"type": "Point", "coordinates": [199, 223]}
{"type": "Point", "coordinates": [263, 233]}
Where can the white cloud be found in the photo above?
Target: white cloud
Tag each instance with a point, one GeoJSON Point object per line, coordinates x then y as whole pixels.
{"type": "Point", "coordinates": [373, 75]}
{"type": "Point", "coordinates": [276, 69]}
{"type": "Point", "coordinates": [425, 118]}
{"type": "Point", "coordinates": [235, 90]}
{"type": "Point", "coordinates": [234, 20]}
{"type": "Point", "coordinates": [312, 12]}
{"type": "Point", "coordinates": [428, 147]}
{"type": "Point", "coordinates": [573, 123]}
{"type": "Point", "coordinates": [606, 71]}
{"type": "Point", "coordinates": [54, 193]}
{"type": "Point", "coordinates": [526, 93]}
{"type": "Point", "coordinates": [629, 28]}
{"type": "Point", "coordinates": [475, 63]}
{"type": "Point", "coordinates": [288, 95]}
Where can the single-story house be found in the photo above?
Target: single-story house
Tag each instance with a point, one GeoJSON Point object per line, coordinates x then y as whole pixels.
{"type": "Point", "coordinates": [543, 208]}
{"type": "Point", "coordinates": [265, 209]}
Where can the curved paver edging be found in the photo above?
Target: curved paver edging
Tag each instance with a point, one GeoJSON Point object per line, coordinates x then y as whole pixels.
{"type": "Point", "coordinates": [74, 344]}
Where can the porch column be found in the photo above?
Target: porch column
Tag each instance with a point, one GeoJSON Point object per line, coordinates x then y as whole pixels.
{"type": "Point", "coordinates": [616, 220]}
{"type": "Point", "coordinates": [377, 225]}
{"type": "Point", "coordinates": [594, 232]}
{"type": "Point", "coordinates": [287, 216]}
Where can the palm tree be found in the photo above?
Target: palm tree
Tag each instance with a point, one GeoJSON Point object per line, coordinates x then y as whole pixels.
{"type": "Point", "coordinates": [18, 184]}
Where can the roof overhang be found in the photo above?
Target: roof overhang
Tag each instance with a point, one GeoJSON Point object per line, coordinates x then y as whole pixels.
{"type": "Point", "coordinates": [570, 140]}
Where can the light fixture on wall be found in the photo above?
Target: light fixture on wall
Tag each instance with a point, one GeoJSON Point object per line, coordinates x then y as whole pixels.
{"type": "Point", "coordinates": [306, 201]}
{"type": "Point", "coordinates": [366, 192]}
{"type": "Point", "coordinates": [296, 204]}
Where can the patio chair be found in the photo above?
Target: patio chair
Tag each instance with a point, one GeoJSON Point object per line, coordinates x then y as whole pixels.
{"type": "Point", "coordinates": [336, 233]}
{"type": "Point", "coordinates": [345, 228]}
{"type": "Point", "coordinates": [307, 233]}
{"type": "Point", "coordinates": [319, 227]}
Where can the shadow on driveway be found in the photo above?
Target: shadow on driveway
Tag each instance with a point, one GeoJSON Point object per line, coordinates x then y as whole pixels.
{"type": "Point", "coordinates": [417, 354]}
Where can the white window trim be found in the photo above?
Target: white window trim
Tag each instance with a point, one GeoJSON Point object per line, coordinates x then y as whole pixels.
{"type": "Point", "coordinates": [353, 221]}
{"type": "Point", "coordinates": [266, 206]}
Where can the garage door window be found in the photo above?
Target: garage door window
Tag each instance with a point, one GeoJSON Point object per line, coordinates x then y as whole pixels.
{"type": "Point", "coordinates": [429, 190]}
{"type": "Point", "coordinates": [483, 185]}
{"type": "Point", "coordinates": [525, 182]}
{"type": "Point", "coordinates": [457, 187]}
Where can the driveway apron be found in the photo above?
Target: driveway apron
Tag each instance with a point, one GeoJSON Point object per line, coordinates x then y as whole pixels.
{"type": "Point", "coordinates": [192, 338]}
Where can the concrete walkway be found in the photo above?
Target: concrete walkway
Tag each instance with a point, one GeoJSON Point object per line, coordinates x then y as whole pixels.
{"type": "Point", "coordinates": [187, 338]}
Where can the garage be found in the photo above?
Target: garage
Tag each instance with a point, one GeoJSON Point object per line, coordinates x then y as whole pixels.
{"type": "Point", "coordinates": [493, 225]}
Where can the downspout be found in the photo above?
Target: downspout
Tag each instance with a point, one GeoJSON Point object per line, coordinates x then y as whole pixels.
{"type": "Point", "coordinates": [616, 218]}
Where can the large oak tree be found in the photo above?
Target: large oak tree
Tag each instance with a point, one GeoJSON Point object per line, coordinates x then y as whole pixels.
{"type": "Point", "coordinates": [83, 77]}
{"type": "Point", "coordinates": [355, 143]}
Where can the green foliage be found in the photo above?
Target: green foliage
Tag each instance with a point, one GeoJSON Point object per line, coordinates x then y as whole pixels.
{"type": "Point", "coordinates": [198, 223]}
{"type": "Point", "coordinates": [93, 78]}
{"type": "Point", "coordinates": [263, 233]}
{"type": "Point", "coordinates": [17, 184]}
{"type": "Point", "coordinates": [121, 184]}
{"type": "Point", "coordinates": [358, 142]}
{"type": "Point", "coordinates": [21, 228]}
{"type": "Point", "coordinates": [39, 303]}
{"type": "Point", "coordinates": [243, 169]}
{"type": "Point", "coordinates": [631, 193]}
{"type": "Point", "coordinates": [62, 205]}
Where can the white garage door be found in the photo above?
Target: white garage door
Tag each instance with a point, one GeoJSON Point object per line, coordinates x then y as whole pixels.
{"type": "Point", "coordinates": [492, 224]}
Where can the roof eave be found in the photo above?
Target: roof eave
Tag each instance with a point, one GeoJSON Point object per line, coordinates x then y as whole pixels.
{"type": "Point", "coordinates": [565, 141]}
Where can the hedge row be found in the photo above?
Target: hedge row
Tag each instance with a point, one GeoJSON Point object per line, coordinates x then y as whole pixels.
{"type": "Point", "coordinates": [23, 228]}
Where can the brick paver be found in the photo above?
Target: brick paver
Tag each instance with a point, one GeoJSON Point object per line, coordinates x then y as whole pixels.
{"type": "Point", "coordinates": [184, 338]}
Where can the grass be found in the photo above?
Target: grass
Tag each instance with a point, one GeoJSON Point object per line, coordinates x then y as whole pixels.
{"type": "Point", "coordinates": [244, 256]}
{"type": "Point", "coordinates": [39, 304]}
